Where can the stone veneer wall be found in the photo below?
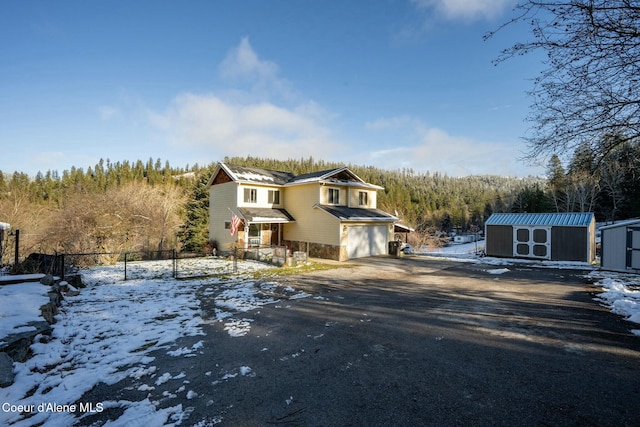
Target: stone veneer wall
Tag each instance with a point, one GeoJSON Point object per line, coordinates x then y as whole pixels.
{"type": "Point", "coordinates": [315, 250]}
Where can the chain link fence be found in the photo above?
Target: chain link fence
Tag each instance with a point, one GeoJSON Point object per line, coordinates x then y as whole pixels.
{"type": "Point", "coordinates": [139, 264]}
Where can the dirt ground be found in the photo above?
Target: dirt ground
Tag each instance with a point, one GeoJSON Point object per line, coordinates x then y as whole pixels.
{"type": "Point", "coordinates": [415, 342]}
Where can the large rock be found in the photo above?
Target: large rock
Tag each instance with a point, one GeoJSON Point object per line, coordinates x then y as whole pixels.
{"type": "Point", "coordinates": [18, 345]}
{"type": "Point", "coordinates": [6, 370]}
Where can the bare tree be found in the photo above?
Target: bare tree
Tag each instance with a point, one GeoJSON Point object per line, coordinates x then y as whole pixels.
{"type": "Point", "coordinates": [132, 217]}
{"type": "Point", "coordinates": [611, 179]}
{"type": "Point", "coordinates": [582, 191]}
{"type": "Point", "coordinates": [591, 85]}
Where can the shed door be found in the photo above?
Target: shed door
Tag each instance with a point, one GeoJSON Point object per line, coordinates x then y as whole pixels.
{"type": "Point", "coordinates": [367, 240]}
{"type": "Point", "coordinates": [532, 242]}
{"type": "Point", "coordinates": [633, 248]}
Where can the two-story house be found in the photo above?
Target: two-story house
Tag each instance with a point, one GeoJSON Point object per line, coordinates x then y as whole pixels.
{"type": "Point", "coordinates": [329, 214]}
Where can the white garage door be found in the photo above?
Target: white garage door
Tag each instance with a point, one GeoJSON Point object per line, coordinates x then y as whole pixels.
{"type": "Point", "coordinates": [367, 240]}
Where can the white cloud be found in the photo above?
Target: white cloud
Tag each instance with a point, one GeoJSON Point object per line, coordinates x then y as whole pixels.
{"type": "Point", "coordinates": [221, 127]}
{"type": "Point", "coordinates": [246, 120]}
{"type": "Point", "coordinates": [243, 62]}
{"type": "Point", "coordinates": [242, 65]}
{"type": "Point", "coordinates": [466, 9]}
{"type": "Point", "coordinates": [425, 148]}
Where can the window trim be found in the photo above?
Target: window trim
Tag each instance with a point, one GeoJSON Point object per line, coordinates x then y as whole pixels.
{"type": "Point", "coordinates": [330, 199]}
{"type": "Point", "coordinates": [273, 197]}
{"type": "Point", "coordinates": [363, 195]}
{"type": "Point", "coordinates": [250, 195]}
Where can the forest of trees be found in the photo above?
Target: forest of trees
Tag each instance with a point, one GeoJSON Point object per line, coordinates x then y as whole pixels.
{"type": "Point", "coordinates": [151, 206]}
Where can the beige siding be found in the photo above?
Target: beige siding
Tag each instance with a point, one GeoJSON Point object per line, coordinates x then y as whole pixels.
{"type": "Point", "coordinates": [221, 198]}
{"type": "Point", "coordinates": [324, 193]}
{"type": "Point", "coordinates": [312, 225]}
{"type": "Point", "coordinates": [354, 198]}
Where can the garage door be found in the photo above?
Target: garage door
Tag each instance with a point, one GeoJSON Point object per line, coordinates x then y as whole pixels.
{"type": "Point", "coordinates": [367, 240]}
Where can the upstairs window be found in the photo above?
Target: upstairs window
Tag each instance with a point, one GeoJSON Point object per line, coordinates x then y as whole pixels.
{"type": "Point", "coordinates": [363, 198]}
{"type": "Point", "coordinates": [333, 196]}
{"type": "Point", "coordinates": [250, 195]}
{"type": "Point", "coordinates": [274, 197]}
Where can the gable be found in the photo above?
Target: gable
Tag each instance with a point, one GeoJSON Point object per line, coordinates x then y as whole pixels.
{"type": "Point", "coordinates": [221, 177]}
{"type": "Point", "coordinates": [343, 175]}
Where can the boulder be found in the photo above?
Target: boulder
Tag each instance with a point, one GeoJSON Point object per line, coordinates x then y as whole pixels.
{"type": "Point", "coordinates": [47, 280]}
{"type": "Point", "coordinates": [6, 370]}
{"type": "Point", "coordinates": [17, 346]}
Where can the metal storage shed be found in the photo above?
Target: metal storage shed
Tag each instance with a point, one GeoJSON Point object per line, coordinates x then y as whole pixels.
{"type": "Point", "coordinates": [544, 236]}
{"type": "Point", "coordinates": [621, 246]}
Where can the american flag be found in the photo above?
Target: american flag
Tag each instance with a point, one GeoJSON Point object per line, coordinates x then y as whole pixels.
{"type": "Point", "coordinates": [235, 223]}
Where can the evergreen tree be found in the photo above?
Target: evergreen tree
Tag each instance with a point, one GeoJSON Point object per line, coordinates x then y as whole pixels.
{"type": "Point", "coordinates": [194, 233]}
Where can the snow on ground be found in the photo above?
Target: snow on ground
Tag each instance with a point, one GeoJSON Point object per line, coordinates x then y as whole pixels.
{"type": "Point", "coordinates": [19, 305]}
{"type": "Point", "coordinates": [106, 333]}
{"type": "Point", "coordinates": [621, 293]}
{"type": "Point", "coordinates": [457, 251]}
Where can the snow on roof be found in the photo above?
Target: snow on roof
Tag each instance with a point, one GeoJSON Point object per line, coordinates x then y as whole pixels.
{"type": "Point", "coordinates": [257, 175]}
{"type": "Point", "coordinates": [342, 176]}
{"type": "Point", "coordinates": [574, 219]}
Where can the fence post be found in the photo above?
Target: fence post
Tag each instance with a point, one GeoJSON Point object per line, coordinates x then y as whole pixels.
{"type": "Point", "coordinates": [125, 266]}
{"type": "Point", "coordinates": [62, 265]}
{"type": "Point", "coordinates": [175, 263]}
{"type": "Point", "coordinates": [235, 259]}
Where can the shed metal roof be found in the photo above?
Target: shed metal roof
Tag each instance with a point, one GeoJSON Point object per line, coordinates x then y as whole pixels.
{"type": "Point", "coordinates": [570, 219]}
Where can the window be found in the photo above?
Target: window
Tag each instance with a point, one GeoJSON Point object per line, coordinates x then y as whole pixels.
{"type": "Point", "coordinates": [274, 197]}
{"type": "Point", "coordinates": [334, 196]}
{"type": "Point", "coordinates": [254, 230]}
{"type": "Point", "coordinates": [227, 225]}
{"type": "Point", "coordinates": [250, 195]}
{"type": "Point", "coordinates": [363, 198]}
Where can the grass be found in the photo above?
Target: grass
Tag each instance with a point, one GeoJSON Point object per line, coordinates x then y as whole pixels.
{"type": "Point", "coordinates": [308, 267]}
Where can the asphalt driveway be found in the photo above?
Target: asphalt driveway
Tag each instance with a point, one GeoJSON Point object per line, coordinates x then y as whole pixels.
{"type": "Point", "coordinates": [416, 342]}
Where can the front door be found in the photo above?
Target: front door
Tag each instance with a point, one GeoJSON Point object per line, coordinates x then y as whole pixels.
{"type": "Point", "coordinates": [275, 234]}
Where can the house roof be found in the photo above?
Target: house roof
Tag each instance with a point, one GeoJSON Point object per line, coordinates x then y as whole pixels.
{"type": "Point", "coordinates": [265, 215]}
{"type": "Point", "coordinates": [344, 213]}
{"type": "Point", "coordinates": [401, 228]}
{"type": "Point", "coordinates": [256, 175]}
{"type": "Point", "coordinates": [342, 176]}
{"type": "Point", "coordinates": [569, 219]}
{"type": "Point", "coordinates": [624, 223]}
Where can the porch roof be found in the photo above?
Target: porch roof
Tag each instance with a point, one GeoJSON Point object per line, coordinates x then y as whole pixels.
{"type": "Point", "coordinates": [265, 215]}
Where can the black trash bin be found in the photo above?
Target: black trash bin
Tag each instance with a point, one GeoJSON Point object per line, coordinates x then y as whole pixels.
{"type": "Point", "coordinates": [394, 248]}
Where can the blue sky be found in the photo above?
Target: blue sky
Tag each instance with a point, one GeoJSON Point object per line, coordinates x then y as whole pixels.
{"type": "Point", "coordinates": [388, 83]}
